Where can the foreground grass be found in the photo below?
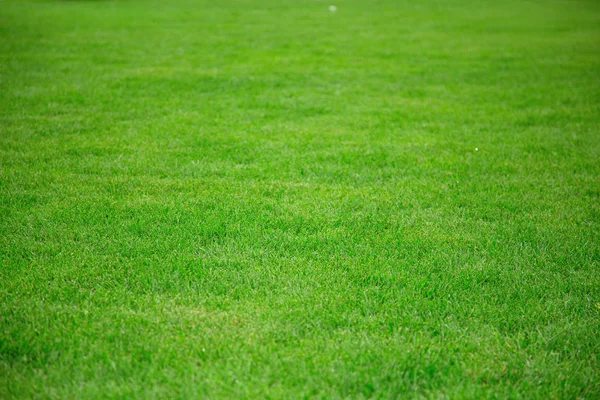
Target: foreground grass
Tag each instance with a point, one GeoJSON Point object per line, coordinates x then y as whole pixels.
{"type": "Point", "coordinates": [258, 199]}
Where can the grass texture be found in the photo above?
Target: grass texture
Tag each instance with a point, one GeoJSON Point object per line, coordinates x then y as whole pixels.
{"type": "Point", "coordinates": [268, 199]}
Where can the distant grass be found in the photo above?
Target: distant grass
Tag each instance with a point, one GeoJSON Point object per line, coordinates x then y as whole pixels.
{"type": "Point", "coordinates": [250, 199]}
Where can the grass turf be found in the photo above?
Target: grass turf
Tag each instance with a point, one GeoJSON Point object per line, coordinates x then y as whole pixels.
{"type": "Point", "coordinates": [269, 199]}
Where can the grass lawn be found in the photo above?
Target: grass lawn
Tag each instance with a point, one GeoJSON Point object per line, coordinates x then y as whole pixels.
{"type": "Point", "coordinates": [250, 199]}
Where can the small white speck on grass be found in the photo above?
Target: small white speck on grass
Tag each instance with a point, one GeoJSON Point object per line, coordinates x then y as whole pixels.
{"type": "Point", "coordinates": [476, 149]}
{"type": "Point", "coordinates": [332, 8]}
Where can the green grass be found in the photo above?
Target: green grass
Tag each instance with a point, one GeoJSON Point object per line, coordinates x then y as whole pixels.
{"type": "Point", "coordinates": [250, 199]}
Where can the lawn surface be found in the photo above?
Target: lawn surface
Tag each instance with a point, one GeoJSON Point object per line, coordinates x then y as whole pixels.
{"type": "Point", "coordinates": [250, 199]}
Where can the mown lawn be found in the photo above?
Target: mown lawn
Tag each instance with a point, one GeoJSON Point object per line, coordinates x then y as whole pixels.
{"type": "Point", "coordinates": [251, 199]}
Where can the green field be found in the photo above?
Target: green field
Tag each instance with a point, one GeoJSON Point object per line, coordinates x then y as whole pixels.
{"type": "Point", "coordinates": [268, 199]}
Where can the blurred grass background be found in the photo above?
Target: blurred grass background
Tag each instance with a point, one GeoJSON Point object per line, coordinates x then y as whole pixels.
{"type": "Point", "coordinates": [269, 199]}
